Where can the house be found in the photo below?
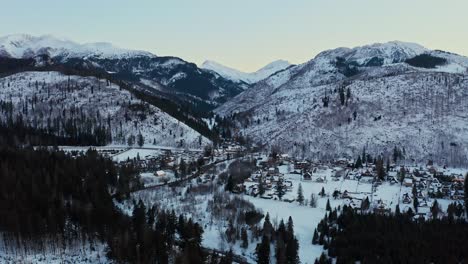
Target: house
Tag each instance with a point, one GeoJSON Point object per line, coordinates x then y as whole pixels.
{"type": "Point", "coordinates": [160, 173]}
{"type": "Point", "coordinates": [273, 171]}
{"type": "Point", "coordinates": [406, 198]}
{"type": "Point", "coordinates": [408, 182]}
{"type": "Point", "coordinates": [346, 195]}
{"type": "Point", "coordinates": [307, 176]}
{"type": "Point", "coordinates": [300, 165]}
{"type": "Point", "coordinates": [320, 179]}
{"type": "Point", "coordinates": [381, 208]}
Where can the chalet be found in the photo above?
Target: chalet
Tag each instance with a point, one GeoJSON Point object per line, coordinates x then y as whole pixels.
{"type": "Point", "coordinates": [300, 165]}
{"type": "Point", "coordinates": [346, 195]}
{"type": "Point", "coordinates": [393, 180]}
{"type": "Point", "coordinates": [307, 176]}
{"type": "Point", "coordinates": [321, 179]}
{"type": "Point", "coordinates": [408, 182]}
{"type": "Point", "coordinates": [381, 208]}
{"type": "Point", "coordinates": [273, 171]}
{"type": "Point", "coordinates": [160, 173]}
{"type": "Point", "coordinates": [406, 198]}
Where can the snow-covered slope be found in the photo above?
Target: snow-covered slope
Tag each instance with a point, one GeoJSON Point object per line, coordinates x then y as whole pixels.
{"type": "Point", "coordinates": [43, 98]}
{"type": "Point", "coordinates": [169, 77]}
{"type": "Point", "coordinates": [27, 46]}
{"type": "Point", "coordinates": [391, 103]}
{"type": "Point", "coordinates": [249, 78]}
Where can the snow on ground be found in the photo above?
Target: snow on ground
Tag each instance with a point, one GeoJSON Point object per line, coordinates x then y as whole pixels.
{"type": "Point", "coordinates": [78, 253]}
{"type": "Point", "coordinates": [59, 96]}
{"type": "Point", "coordinates": [134, 153]}
{"type": "Point", "coordinates": [150, 179]}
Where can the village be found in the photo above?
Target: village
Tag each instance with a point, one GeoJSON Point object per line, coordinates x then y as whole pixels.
{"type": "Point", "coordinates": [410, 187]}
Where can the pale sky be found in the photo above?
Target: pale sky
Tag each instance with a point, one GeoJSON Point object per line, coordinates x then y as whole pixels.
{"type": "Point", "coordinates": [243, 34]}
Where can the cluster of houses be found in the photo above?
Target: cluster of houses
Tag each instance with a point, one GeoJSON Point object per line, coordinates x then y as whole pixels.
{"type": "Point", "coordinates": [424, 183]}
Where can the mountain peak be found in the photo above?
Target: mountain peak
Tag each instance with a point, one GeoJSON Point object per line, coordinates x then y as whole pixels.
{"type": "Point", "coordinates": [240, 76]}
{"type": "Point", "coordinates": [388, 52]}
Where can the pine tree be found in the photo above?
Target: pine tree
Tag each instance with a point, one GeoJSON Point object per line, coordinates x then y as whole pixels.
{"type": "Point", "coordinates": [315, 237]}
{"type": "Point", "coordinates": [322, 192]}
{"type": "Point", "coordinates": [435, 210]}
{"type": "Point", "coordinates": [415, 203]}
{"type": "Point", "coordinates": [131, 140]}
{"type": "Point", "coordinates": [292, 248]}
{"type": "Point", "coordinates": [342, 96]}
{"type": "Point", "coordinates": [140, 140]}
{"type": "Point", "coordinates": [230, 184]}
{"type": "Point", "coordinates": [365, 204]}
{"type": "Point", "coordinates": [267, 226]}
{"type": "Point", "coordinates": [280, 188]}
{"type": "Point", "coordinates": [358, 163]}
{"type": "Point", "coordinates": [466, 193]}
{"type": "Point", "coordinates": [280, 251]}
{"type": "Point", "coordinates": [245, 238]}
{"type": "Point", "coordinates": [313, 201]}
{"type": "Point", "coordinates": [263, 251]}
{"type": "Point", "coordinates": [300, 195]}
{"type": "Point", "coordinates": [328, 207]}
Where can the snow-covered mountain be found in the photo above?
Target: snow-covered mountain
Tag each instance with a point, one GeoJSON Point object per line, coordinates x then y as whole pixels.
{"type": "Point", "coordinates": [376, 97]}
{"type": "Point", "coordinates": [27, 46]}
{"type": "Point", "coordinates": [168, 77]}
{"type": "Point", "coordinates": [249, 78]}
{"type": "Point", "coordinates": [53, 101]}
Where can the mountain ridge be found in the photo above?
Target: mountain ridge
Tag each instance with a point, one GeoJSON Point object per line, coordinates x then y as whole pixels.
{"type": "Point", "coordinates": [246, 77]}
{"type": "Point", "coordinates": [398, 94]}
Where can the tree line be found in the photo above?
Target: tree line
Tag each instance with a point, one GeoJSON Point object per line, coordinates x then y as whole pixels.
{"type": "Point", "coordinates": [352, 237]}
{"type": "Point", "coordinates": [49, 193]}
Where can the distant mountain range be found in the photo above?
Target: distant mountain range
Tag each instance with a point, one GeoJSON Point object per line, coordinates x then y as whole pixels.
{"type": "Point", "coordinates": [373, 98]}
{"type": "Point", "coordinates": [242, 77]}
{"type": "Point", "coordinates": [168, 77]}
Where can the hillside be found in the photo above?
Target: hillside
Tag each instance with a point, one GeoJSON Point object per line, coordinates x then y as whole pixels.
{"type": "Point", "coordinates": [169, 77]}
{"type": "Point", "coordinates": [367, 98]}
{"type": "Point", "coordinates": [74, 106]}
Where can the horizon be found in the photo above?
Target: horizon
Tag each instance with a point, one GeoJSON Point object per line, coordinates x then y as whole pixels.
{"type": "Point", "coordinates": [244, 36]}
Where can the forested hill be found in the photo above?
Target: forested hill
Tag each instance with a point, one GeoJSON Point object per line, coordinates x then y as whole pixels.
{"type": "Point", "coordinates": [89, 108]}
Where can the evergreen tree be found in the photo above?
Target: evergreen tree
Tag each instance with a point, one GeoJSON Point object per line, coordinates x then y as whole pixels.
{"type": "Point", "coordinates": [230, 184]}
{"type": "Point", "coordinates": [315, 237]}
{"type": "Point", "coordinates": [300, 195]}
{"type": "Point", "coordinates": [435, 209]}
{"type": "Point", "coordinates": [267, 226]}
{"type": "Point", "coordinates": [280, 188]}
{"type": "Point", "coordinates": [313, 201]}
{"type": "Point", "coordinates": [131, 140]}
{"type": "Point", "coordinates": [342, 96]}
{"type": "Point", "coordinates": [328, 207]}
{"type": "Point", "coordinates": [280, 250]}
{"type": "Point", "coordinates": [245, 238]}
{"type": "Point", "coordinates": [140, 140]}
{"type": "Point", "coordinates": [263, 251]}
{"type": "Point", "coordinates": [358, 163]}
{"type": "Point", "coordinates": [466, 193]}
{"type": "Point", "coordinates": [322, 192]}
{"type": "Point", "coordinates": [415, 203]}
{"type": "Point", "coordinates": [365, 204]}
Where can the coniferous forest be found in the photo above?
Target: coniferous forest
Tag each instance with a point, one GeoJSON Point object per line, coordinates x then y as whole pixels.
{"type": "Point", "coordinates": [352, 237]}
{"type": "Point", "coordinates": [51, 194]}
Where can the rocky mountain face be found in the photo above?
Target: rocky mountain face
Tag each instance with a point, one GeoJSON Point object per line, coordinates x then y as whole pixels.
{"type": "Point", "coordinates": [375, 98]}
